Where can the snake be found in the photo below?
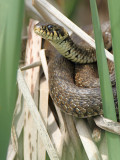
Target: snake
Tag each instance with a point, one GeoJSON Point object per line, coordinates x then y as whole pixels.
{"type": "Point", "coordinates": [78, 101]}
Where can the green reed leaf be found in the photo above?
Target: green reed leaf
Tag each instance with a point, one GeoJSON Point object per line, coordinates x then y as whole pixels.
{"type": "Point", "coordinates": [113, 141]}
{"type": "Point", "coordinates": [114, 12]}
{"type": "Point", "coordinates": [11, 17]}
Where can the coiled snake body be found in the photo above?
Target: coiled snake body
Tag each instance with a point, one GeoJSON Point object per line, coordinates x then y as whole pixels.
{"type": "Point", "coordinates": [77, 101]}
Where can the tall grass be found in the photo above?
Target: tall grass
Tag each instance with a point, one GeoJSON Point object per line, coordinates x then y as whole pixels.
{"type": "Point", "coordinates": [114, 12]}
{"type": "Point", "coordinates": [113, 141]}
{"type": "Point", "coordinates": [11, 17]}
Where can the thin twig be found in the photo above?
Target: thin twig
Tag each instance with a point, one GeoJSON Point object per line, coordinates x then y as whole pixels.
{"type": "Point", "coordinates": [32, 65]}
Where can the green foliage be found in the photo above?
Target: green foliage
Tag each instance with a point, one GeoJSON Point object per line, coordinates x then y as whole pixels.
{"type": "Point", "coordinates": [113, 140]}
{"type": "Point", "coordinates": [114, 12]}
{"type": "Point", "coordinates": [11, 16]}
{"type": "Point", "coordinates": [70, 7]}
{"type": "Point", "coordinates": [106, 90]}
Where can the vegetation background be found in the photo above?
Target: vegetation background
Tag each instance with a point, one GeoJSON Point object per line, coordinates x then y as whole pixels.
{"type": "Point", "coordinates": [11, 20]}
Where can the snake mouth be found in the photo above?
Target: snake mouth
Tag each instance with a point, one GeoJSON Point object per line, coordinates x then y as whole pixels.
{"type": "Point", "coordinates": [36, 29]}
{"type": "Point", "coordinates": [39, 29]}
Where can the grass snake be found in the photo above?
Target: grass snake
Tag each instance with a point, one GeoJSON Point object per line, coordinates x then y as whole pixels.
{"type": "Point", "coordinates": [79, 101]}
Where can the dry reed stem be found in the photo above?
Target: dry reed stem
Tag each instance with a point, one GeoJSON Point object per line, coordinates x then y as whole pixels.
{"type": "Point", "coordinates": [85, 136]}
{"type": "Point", "coordinates": [18, 123]}
{"type": "Point", "coordinates": [36, 117]}
{"type": "Point", "coordinates": [107, 124]}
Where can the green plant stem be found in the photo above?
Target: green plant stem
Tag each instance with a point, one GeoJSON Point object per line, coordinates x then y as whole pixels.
{"type": "Point", "coordinates": [114, 12]}
{"type": "Point", "coordinates": [113, 141]}
{"type": "Point", "coordinates": [11, 17]}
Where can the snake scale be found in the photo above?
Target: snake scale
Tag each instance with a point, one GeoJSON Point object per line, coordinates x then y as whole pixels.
{"type": "Point", "coordinates": [77, 101]}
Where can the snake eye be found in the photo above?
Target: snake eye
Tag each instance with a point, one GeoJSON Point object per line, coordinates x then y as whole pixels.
{"type": "Point", "coordinates": [50, 27]}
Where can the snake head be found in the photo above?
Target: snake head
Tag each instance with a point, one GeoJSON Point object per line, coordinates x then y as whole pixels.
{"type": "Point", "coordinates": [52, 32]}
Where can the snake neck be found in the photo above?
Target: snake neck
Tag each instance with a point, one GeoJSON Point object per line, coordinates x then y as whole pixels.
{"type": "Point", "coordinates": [75, 53]}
